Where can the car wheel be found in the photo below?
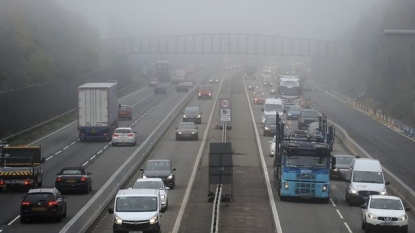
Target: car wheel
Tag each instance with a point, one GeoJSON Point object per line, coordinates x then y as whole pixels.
{"type": "Point", "coordinates": [86, 189]}
{"type": "Point", "coordinates": [64, 214]}
{"type": "Point", "coordinates": [196, 138]}
{"type": "Point", "coordinates": [59, 217]}
{"type": "Point", "coordinates": [173, 185]}
{"type": "Point", "coordinates": [405, 229]}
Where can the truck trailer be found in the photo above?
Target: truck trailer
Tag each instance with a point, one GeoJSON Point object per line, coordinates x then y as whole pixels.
{"type": "Point", "coordinates": [162, 69]}
{"type": "Point", "coordinates": [97, 111]}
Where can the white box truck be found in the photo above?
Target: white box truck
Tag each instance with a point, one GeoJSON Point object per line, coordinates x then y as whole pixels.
{"type": "Point", "coordinates": [97, 111]}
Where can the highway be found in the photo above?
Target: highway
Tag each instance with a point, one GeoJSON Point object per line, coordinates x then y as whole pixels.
{"type": "Point", "coordinates": [297, 216]}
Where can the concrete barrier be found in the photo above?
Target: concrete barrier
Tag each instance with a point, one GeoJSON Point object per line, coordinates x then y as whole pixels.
{"type": "Point", "coordinates": [397, 186]}
{"type": "Point", "coordinates": [93, 208]}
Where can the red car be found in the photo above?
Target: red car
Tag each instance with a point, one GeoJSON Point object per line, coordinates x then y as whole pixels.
{"type": "Point", "coordinates": [205, 92]}
{"type": "Point", "coordinates": [124, 111]}
{"type": "Point", "coordinates": [259, 99]}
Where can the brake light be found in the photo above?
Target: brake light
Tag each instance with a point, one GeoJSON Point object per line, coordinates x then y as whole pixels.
{"type": "Point", "coordinates": [115, 135]}
{"type": "Point", "coordinates": [130, 135]}
{"type": "Point", "coordinates": [1, 182]}
{"type": "Point", "coordinates": [59, 179]}
{"type": "Point", "coordinates": [27, 182]}
{"type": "Point", "coordinates": [25, 203]}
{"type": "Point", "coordinates": [52, 203]}
{"type": "Point", "coordinates": [83, 179]}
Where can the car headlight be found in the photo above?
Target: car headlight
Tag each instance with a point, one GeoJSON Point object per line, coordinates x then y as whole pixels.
{"type": "Point", "coordinates": [286, 185]}
{"type": "Point", "coordinates": [200, 94]}
{"type": "Point", "coordinates": [184, 116]}
{"type": "Point", "coordinates": [117, 220]}
{"type": "Point", "coordinates": [335, 170]}
{"type": "Point", "coordinates": [144, 176]}
{"type": "Point", "coordinates": [210, 93]}
{"type": "Point", "coordinates": [383, 192]}
{"type": "Point", "coordinates": [179, 132]}
{"type": "Point", "coordinates": [352, 191]}
{"type": "Point", "coordinates": [266, 128]}
{"type": "Point", "coordinates": [372, 216]}
{"type": "Point", "coordinates": [198, 116]}
{"type": "Point", "coordinates": [154, 220]}
{"type": "Point", "coordinates": [163, 196]}
{"type": "Point", "coordinates": [403, 217]}
{"type": "Point", "coordinates": [193, 132]}
{"type": "Point", "coordinates": [324, 189]}
{"type": "Point", "coordinates": [170, 177]}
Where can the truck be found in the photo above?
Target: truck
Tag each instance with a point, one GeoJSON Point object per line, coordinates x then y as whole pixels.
{"type": "Point", "coordinates": [162, 71]}
{"type": "Point", "coordinates": [21, 167]}
{"type": "Point", "coordinates": [97, 111]}
{"type": "Point", "coordinates": [289, 90]}
{"type": "Point", "coordinates": [301, 165]}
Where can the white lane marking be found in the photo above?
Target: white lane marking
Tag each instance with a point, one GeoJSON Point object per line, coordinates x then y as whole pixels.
{"type": "Point", "coordinates": [348, 228]}
{"type": "Point", "coordinates": [14, 220]}
{"type": "Point", "coordinates": [49, 158]}
{"type": "Point", "coordinates": [338, 212]}
{"type": "Point", "coordinates": [73, 142]}
{"type": "Point", "coordinates": [58, 152]}
{"type": "Point", "coordinates": [53, 133]}
{"type": "Point", "coordinates": [332, 202]}
{"type": "Point", "coordinates": [99, 152]}
{"type": "Point", "coordinates": [277, 222]}
{"type": "Point", "coordinates": [93, 157]}
{"type": "Point", "coordinates": [66, 147]}
{"type": "Point", "coordinates": [83, 165]}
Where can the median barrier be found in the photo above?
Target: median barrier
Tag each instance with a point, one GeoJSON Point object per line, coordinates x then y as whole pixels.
{"type": "Point", "coordinates": [397, 186]}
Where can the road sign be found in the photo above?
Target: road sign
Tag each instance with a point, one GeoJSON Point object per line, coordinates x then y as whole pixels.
{"type": "Point", "coordinates": [225, 103]}
{"type": "Point", "coordinates": [225, 114]}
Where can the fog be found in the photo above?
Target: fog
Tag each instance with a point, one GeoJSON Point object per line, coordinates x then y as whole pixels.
{"type": "Point", "coordinates": [313, 19]}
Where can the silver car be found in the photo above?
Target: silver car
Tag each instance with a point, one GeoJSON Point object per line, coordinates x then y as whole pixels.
{"type": "Point", "coordinates": [154, 183]}
{"type": "Point", "coordinates": [124, 135]}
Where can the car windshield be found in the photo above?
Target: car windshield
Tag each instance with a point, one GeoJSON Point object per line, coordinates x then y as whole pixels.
{"type": "Point", "coordinates": [143, 184]}
{"type": "Point", "coordinates": [271, 120]}
{"type": "Point", "coordinates": [123, 131]}
{"type": "Point", "coordinates": [385, 203]}
{"type": "Point", "coordinates": [73, 172]}
{"type": "Point", "coordinates": [201, 88]}
{"type": "Point", "coordinates": [344, 160]}
{"type": "Point", "coordinates": [187, 126]}
{"type": "Point", "coordinates": [313, 114]}
{"type": "Point", "coordinates": [305, 161]}
{"type": "Point", "coordinates": [136, 204]}
{"type": "Point", "coordinates": [273, 107]}
{"type": "Point", "coordinates": [158, 166]}
{"type": "Point", "coordinates": [368, 177]}
{"type": "Point", "coordinates": [191, 110]}
{"type": "Point", "coordinates": [124, 108]}
{"type": "Point", "coordinates": [39, 197]}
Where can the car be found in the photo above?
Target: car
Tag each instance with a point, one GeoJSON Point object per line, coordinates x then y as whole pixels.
{"type": "Point", "coordinates": [306, 117]}
{"type": "Point", "coordinates": [136, 210]}
{"type": "Point", "coordinates": [252, 86]}
{"type": "Point", "coordinates": [192, 114]}
{"type": "Point", "coordinates": [384, 213]}
{"type": "Point", "coordinates": [343, 162]}
{"type": "Point", "coordinates": [272, 146]}
{"type": "Point", "coordinates": [153, 82]}
{"type": "Point", "coordinates": [187, 130]}
{"type": "Point", "coordinates": [155, 183]}
{"type": "Point", "coordinates": [268, 81]}
{"type": "Point", "coordinates": [124, 135]}
{"type": "Point", "coordinates": [160, 89]}
{"type": "Point", "coordinates": [258, 91]}
{"type": "Point", "coordinates": [182, 87]}
{"type": "Point", "coordinates": [270, 126]}
{"type": "Point", "coordinates": [160, 168]}
{"type": "Point", "coordinates": [44, 203]}
{"type": "Point", "coordinates": [273, 91]}
{"type": "Point", "coordinates": [293, 112]}
{"type": "Point", "coordinates": [259, 99]}
{"type": "Point", "coordinates": [213, 80]}
{"type": "Point", "coordinates": [74, 179]}
{"type": "Point", "coordinates": [125, 111]}
{"type": "Point", "coordinates": [189, 83]}
{"type": "Point", "coordinates": [205, 92]}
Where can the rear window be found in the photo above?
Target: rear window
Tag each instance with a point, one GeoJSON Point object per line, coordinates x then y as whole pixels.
{"type": "Point", "coordinates": [73, 172]}
{"type": "Point", "coordinates": [39, 197]}
{"type": "Point", "coordinates": [122, 131]}
{"type": "Point", "coordinates": [205, 88]}
{"type": "Point", "coordinates": [124, 108]}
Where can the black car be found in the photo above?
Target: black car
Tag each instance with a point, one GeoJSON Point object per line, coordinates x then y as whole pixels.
{"type": "Point", "coordinates": [293, 112]}
{"type": "Point", "coordinates": [270, 126]}
{"type": "Point", "coordinates": [192, 114]}
{"type": "Point", "coordinates": [160, 89]}
{"type": "Point", "coordinates": [213, 80]}
{"type": "Point", "coordinates": [74, 179]}
{"type": "Point", "coordinates": [43, 203]}
{"type": "Point", "coordinates": [343, 162]}
{"type": "Point", "coordinates": [161, 168]}
{"type": "Point", "coordinates": [306, 117]}
{"type": "Point", "coordinates": [187, 130]}
{"type": "Point", "coordinates": [182, 87]}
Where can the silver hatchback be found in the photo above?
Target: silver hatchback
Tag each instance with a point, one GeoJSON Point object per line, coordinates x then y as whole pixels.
{"type": "Point", "coordinates": [124, 135]}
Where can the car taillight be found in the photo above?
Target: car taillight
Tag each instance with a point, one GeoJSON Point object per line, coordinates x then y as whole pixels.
{"type": "Point", "coordinates": [83, 179]}
{"type": "Point", "coordinates": [27, 182]}
{"type": "Point", "coordinates": [115, 135]}
{"type": "Point", "coordinates": [130, 135]}
{"type": "Point", "coordinates": [25, 203]}
{"type": "Point", "coordinates": [59, 179]}
{"type": "Point", "coordinates": [1, 182]}
{"type": "Point", "coordinates": [52, 203]}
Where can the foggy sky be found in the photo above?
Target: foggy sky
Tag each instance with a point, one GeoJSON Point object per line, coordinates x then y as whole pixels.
{"type": "Point", "coordinates": [314, 19]}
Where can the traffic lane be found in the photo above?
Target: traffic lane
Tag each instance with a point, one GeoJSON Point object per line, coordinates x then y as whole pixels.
{"type": "Point", "coordinates": [392, 149]}
{"type": "Point", "coordinates": [182, 155]}
{"type": "Point", "coordinates": [107, 163]}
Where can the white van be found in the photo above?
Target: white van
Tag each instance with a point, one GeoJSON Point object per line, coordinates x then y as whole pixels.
{"type": "Point", "coordinates": [364, 178]}
{"type": "Point", "coordinates": [136, 210]}
{"type": "Point", "coordinates": [272, 106]}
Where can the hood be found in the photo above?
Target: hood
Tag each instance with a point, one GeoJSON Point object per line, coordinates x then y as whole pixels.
{"type": "Point", "coordinates": [388, 213]}
{"type": "Point", "coordinates": [157, 173]}
{"type": "Point", "coordinates": [136, 216]}
{"type": "Point", "coordinates": [360, 186]}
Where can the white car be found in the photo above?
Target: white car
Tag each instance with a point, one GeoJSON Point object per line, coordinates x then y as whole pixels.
{"type": "Point", "coordinates": [383, 212]}
{"type": "Point", "coordinates": [124, 135]}
{"type": "Point", "coordinates": [272, 147]}
{"type": "Point", "coordinates": [155, 183]}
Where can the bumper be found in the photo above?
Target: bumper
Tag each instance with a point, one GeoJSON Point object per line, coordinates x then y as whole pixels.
{"type": "Point", "coordinates": [145, 227]}
{"type": "Point", "coordinates": [270, 131]}
{"type": "Point", "coordinates": [123, 141]}
{"type": "Point", "coordinates": [71, 187]}
{"type": "Point", "coordinates": [187, 136]}
{"type": "Point", "coordinates": [305, 190]}
{"type": "Point", "coordinates": [378, 225]}
{"type": "Point", "coordinates": [356, 198]}
{"type": "Point", "coordinates": [195, 120]}
{"type": "Point", "coordinates": [204, 96]}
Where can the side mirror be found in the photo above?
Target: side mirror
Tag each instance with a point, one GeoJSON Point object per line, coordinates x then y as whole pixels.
{"type": "Point", "coordinates": [110, 210]}
{"type": "Point", "coordinates": [174, 169]}
{"type": "Point", "coordinates": [333, 161]}
{"type": "Point", "coordinates": [407, 208]}
{"type": "Point", "coordinates": [43, 160]}
{"type": "Point", "coordinates": [387, 183]}
{"type": "Point", "coordinates": [363, 206]}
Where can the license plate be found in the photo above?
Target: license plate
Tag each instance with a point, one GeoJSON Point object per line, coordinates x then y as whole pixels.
{"type": "Point", "coordinates": [71, 180]}
{"type": "Point", "coordinates": [135, 232]}
{"type": "Point", "coordinates": [39, 209]}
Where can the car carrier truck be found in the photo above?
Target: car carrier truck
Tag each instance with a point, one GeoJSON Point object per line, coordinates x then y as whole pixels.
{"type": "Point", "coordinates": [97, 111]}
{"type": "Point", "coordinates": [21, 167]}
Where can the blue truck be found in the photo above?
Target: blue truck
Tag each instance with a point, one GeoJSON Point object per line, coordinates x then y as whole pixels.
{"type": "Point", "coordinates": [97, 111]}
{"type": "Point", "coordinates": [301, 166]}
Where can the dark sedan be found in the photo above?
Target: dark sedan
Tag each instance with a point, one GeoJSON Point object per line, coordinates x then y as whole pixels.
{"type": "Point", "coordinates": [160, 89]}
{"type": "Point", "coordinates": [182, 87]}
{"type": "Point", "coordinates": [161, 168]}
{"type": "Point", "coordinates": [74, 179]}
{"type": "Point", "coordinates": [306, 117]}
{"type": "Point", "coordinates": [187, 130]}
{"type": "Point", "coordinates": [192, 114]}
{"type": "Point", "coordinates": [343, 162]}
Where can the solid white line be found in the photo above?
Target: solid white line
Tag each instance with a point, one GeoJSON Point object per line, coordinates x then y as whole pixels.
{"type": "Point", "coordinates": [338, 212]}
{"type": "Point", "coordinates": [195, 168]}
{"type": "Point", "coordinates": [58, 152]}
{"type": "Point", "coordinates": [277, 222]}
{"type": "Point", "coordinates": [332, 202]}
{"type": "Point", "coordinates": [348, 228]}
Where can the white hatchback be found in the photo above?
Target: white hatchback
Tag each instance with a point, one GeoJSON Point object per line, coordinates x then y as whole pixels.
{"type": "Point", "coordinates": [155, 183]}
{"type": "Point", "coordinates": [124, 135]}
{"type": "Point", "coordinates": [383, 212]}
